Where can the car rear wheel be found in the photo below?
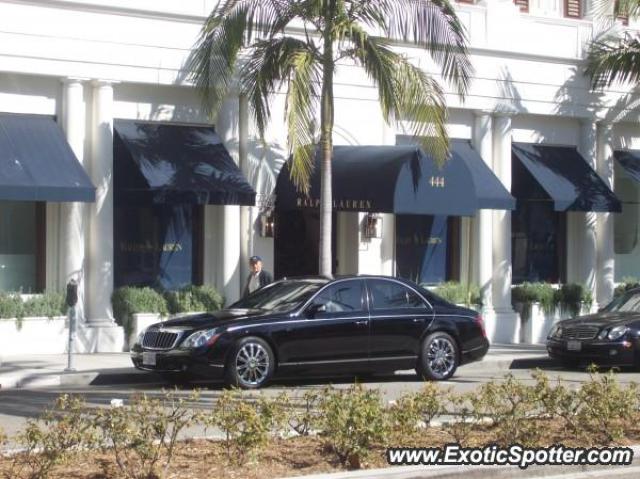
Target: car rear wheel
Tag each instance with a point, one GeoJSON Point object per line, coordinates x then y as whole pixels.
{"type": "Point", "coordinates": [251, 364]}
{"type": "Point", "coordinates": [438, 359]}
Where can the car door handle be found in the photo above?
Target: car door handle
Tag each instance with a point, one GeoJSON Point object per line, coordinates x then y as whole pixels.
{"type": "Point", "coordinates": [362, 322]}
{"type": "Point", "coordinates": [418, 320]}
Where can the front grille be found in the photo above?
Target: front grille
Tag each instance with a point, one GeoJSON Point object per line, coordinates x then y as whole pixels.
{"type": "Point", "coordinates": [155, 339]}
{"type": "Point", "coordinates": [580, 332]}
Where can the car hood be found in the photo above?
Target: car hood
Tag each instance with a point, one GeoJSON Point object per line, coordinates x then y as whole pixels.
{"type": "Point", "coordinates": [211, 320]}
{"type": "Point", "coordinates": [603, 319]}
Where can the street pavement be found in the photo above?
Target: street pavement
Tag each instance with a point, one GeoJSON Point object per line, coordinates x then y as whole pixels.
{"type": "Point", "coordinates": [31, 384]}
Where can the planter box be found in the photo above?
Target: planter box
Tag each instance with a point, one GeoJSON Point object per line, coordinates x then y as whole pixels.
{"type": "Point", "coordinates": [33, 335]}
{"type": "Point", "coordinates": [535, 328]}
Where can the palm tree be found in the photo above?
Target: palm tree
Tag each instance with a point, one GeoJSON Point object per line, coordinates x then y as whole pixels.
{"type": "Point", "coordinates": [299, 43]}
{"type": "Point", "coordinates": [614, 56]}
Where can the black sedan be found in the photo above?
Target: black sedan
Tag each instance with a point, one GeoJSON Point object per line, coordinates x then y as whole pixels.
{"type": "Point", "coordinates": [354, 325]}
{"type": "Point", "coordinates": [609, 337]}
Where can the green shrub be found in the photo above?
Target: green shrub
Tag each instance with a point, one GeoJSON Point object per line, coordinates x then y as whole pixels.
{"type": "Point", "coordinates": [628, 283]}
{"type": "Point", "coordinates": [245, 425]}
{"type": "Point", "coordinates": [511, 405]}
{"type": "Point", "coordinates": [193, 298]}
{"type": "Point", "coordinates": [142, 435]}
{"type": "Point", "coordinates": [461, 407]}
{"type": "Point", "coordinates": [459, 293]}
{"type": "Point", "coordinates": [571, 296]}
{"type": "Point", "coordinates": [607, 407]}
{"type": "Point", "coordinates": [11, 306]}
{"type": "Point", "coordinates": [529, 293]}
{"type": "Point", "coordinates": [353, 421]}
{"type": "Point", "coordinates": [307, 417]}
{"type": "Point", "coordinates": [48, 305]}
{"type": "Point", "coordinates": [53, 439]}
{"type": "Point", "coordinates": [128, 300]}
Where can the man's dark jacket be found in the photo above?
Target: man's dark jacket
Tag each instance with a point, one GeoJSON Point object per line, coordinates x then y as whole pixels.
{"type": "Point", "coordinates": [264, 278]}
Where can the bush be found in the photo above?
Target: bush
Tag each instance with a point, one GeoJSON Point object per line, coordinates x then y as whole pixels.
{"type": "Point", "coordinates": [571, 296]}
{"type": "Point", "coordinates": [461, 407]}
{"type": "Point", "coordinates": [142, 436]}
{"type": "Point", "coordinates": [308, 418]}
{"type": "Point", "coordinates": [54, 438]}
{"type": "Point", "coordinates": [246, 425]}
{"type": "Point", "coordinates": [128, 300]}
{"type": "Point", "coordinates": [459, 293]}
{"type": "Point", "coordinates": [628, 283]}
{"type": "Point", "coordinates": [47, 304]}
{"type": "Point", "coordinates": [11, 306]}
{"type": "Point", "coordinates": [511, 405]}
{"type": "Point", "coordinates": [193, 298]}
{"type": "Point", "coordinates": [353, 420]}
{"type": "Point", "coordinates": [529, 293]}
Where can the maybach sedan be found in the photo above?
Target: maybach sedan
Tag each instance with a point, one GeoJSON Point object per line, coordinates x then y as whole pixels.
{"type": "Point", "coordinates": [297, 327]}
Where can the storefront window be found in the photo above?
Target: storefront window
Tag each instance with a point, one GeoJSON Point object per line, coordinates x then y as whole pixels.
{"type": "Point", "coordinates": [538, 240]}
{"type": "Point", "coordinates": [157, 246]}
{"type": "Point", "coordinates": [626, 225]}
{"type": "Point", "coordinates": [21, 252]}
{"type": "Point", "coordinates": [424, 249]}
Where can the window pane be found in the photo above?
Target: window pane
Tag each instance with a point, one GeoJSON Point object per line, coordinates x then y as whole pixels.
{"type": "Point", "coordinates": [626, 227]}
{"type": "Point", "coordinates": [391, 295]}
{"type": "Point", "coordinates": [421, 248]}
{"type": "Point", "coordinates": [18, 246]}
{"type": "Point", "coordinates": [154, 246]}
{"type": "Point", "coordinates": [342, 297]}
{"type": "Point", "coordinates": [537, 236]}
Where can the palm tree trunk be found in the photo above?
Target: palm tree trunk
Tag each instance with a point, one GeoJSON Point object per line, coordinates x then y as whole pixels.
{"type": "Point", "coordinates": [326, 143]}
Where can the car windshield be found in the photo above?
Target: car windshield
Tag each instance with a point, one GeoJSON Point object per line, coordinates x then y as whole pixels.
{"type": "Point", "coordinates": [629, 302]}
{"type": "Point", "coordinates": [280, 296]}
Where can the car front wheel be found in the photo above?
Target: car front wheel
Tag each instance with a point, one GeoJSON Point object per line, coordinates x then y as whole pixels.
{"type": "Point", "coordinates": [438, 357]}
{"type": "Point", "coordinates": [251, 364]}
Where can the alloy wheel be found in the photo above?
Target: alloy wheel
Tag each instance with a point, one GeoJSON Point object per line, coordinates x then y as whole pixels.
{"type": "Point", "coordinates": [441, 356]}
{"type": "Point", "coordinates": [252, 364]}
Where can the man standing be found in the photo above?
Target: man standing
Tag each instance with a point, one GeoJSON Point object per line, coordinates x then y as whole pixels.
{"type": "Point", "coordinates": [257, 276]}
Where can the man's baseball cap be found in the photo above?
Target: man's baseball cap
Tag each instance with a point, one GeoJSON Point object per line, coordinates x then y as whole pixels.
{"type": "Point", "coordinates": [255, 259]}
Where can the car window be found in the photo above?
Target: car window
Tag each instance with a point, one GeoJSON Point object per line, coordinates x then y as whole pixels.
{"type": "Point", "coordinates": [629, 302]}
{"type": "Point", "coordinates": [341, 297]}
{"type": "Point", "coordinates": [279, 296]}
{"type": "Point", "coordinates": [392, 295]}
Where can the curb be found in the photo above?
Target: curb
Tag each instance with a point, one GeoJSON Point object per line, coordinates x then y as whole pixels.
{"type": "Point", "coordinates": [482, 472]}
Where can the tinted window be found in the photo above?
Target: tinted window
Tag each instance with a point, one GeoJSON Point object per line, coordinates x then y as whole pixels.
{"type": "Point", "coordinates": [629, 302]}
{"type": "Point", "coordinates": [390, 295]}
{"type": "Point", "coordinates": [279, 296]}
{"type": "Point", "coordinates": [342, 297]}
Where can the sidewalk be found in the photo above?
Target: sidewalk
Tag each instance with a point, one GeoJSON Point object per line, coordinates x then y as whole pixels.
{"type": "Point", "coordinates": [33, 371]}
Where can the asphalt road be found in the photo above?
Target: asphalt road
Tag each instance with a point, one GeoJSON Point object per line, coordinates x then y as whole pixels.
{"type": "Point", "coordinates": [18, 405]}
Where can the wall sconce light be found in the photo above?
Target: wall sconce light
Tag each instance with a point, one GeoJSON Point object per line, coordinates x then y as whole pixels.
{"type": "Point", "coordinates": [267, 223]}
{"type": "Point", "coordinates": [373, 226]}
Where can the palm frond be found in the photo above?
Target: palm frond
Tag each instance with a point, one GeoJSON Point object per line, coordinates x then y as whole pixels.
{"type": "Point", "coordinates": [431, 24]}
{"type": "Point", "coordinates": [405, 92]}
{"type": "Point", "coordinates": [615, 8]}
{"type": "Point", "coordinates": [614, 59]}
{"type": "Point", "coordinates": [232, 25]}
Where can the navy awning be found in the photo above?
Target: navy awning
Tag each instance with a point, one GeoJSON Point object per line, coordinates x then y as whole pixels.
{"type": "Point", "coordinates": [169, 163]}
{"type": "Point", "coordinates": [630, 162]}
{"type": "Point", "coordinates": [37, 163]}
{"type": "Point", "coordinates": [566, 178]}
{"type": "Point", "coordinates": [402, 179]}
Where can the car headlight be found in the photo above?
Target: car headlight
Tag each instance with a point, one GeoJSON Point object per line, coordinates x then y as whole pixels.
{"type": "Point", "coordinates": [556, 332]}
{"type": "Point", "coordinates": [617, 332]}
{"type": "Point", "coordinates": [198, 339]}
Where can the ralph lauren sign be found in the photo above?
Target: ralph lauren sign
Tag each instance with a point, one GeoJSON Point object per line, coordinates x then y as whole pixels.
{"type": "Point", "coordinates": [351, 205]}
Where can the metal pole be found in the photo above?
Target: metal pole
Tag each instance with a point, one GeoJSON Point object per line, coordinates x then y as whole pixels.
{"type": "Point", "coordinates": [72, 338]}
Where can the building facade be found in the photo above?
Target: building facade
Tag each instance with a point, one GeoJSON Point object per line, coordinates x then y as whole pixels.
{"type": "Point", "coordinates": [96, 68]}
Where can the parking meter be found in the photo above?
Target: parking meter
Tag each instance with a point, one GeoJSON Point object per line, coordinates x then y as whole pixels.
{"type": "Point", "coordinates": [71, 300]}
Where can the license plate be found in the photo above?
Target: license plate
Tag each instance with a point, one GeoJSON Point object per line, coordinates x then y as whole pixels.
{"type": "Point", "coordinates": [149, 359]}
{"type": "Point", "coordinates": [574, 345]}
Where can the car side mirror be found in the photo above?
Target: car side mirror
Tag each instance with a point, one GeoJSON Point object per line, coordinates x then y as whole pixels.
{"type": "Point", "coordinates": [316, 308]}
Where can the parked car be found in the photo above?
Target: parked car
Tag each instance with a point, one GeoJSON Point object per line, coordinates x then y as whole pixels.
{"type": "Point", "coordinates": [608, 337]}
{"type": "Point", "coordinates": [359, 325]}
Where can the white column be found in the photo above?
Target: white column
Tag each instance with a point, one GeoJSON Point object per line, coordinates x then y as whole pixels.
{"type": "Point", "coordinates": [100, 274]}
{"type": "Point", "coordinates": [507, 321]}
{"type": "Point", "coordinates": [605, 261]}
{"type": "Point", "coordinates": [73, 214]}
{"type": "Point", "coordinates": [246, 233]}
{"type": "Point", "coordinates": [585, 258]}
{"type": "Point", "coordinates": [231, 253]}
{"type": "Point", "coordinates": [483, 143]}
